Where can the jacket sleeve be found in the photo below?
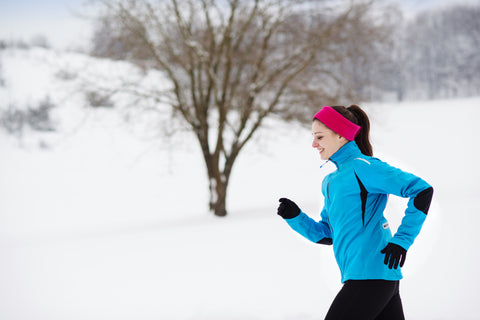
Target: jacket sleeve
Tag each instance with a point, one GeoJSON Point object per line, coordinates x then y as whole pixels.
{"type": "Point", "coordinates": [318, 232]}
{"type": "Point", "coordinates": [380, 177]}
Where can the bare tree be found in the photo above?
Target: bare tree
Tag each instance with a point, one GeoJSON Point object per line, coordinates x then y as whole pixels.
{"type": "Point", "coordinates": [233, 63]}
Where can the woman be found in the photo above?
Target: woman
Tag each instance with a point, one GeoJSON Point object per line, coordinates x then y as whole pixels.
{"type": "Point", "coordinates": [352, 218]}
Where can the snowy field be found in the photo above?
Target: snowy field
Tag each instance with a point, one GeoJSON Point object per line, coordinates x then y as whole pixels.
{"type": "Point", "coordinates": [98, 222]}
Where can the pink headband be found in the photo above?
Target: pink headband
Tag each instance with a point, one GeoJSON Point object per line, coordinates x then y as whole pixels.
{"type": "Point", "coordinates": [338, 123]}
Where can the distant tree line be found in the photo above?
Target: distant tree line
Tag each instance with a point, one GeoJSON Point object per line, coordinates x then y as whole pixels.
{"type": "Point", "coordinates": [435, 55]}
{"type": "Point", "coordinates": [38, 40]}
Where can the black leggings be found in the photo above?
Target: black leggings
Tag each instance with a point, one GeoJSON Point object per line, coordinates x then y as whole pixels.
{"type": "Point", "coordinates": [367, 300]}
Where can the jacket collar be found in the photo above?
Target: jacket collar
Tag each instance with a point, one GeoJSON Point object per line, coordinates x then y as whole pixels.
{"type": "Point", "coordinates": [346, 152]}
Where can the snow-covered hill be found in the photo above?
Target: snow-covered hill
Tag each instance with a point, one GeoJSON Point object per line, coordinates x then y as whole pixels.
{"type": "Point", "coordinates": [99, 221]}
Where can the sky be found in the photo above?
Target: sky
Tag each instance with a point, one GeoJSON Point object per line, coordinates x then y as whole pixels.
{"type": "Point", "coordinates": [61, 23]}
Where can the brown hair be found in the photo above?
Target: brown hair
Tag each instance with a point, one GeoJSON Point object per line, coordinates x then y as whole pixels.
{"type": "Point", "coordinates": [356, 115]}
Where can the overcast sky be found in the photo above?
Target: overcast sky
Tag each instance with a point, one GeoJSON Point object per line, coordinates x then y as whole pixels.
{"type": "Point", "coordinates": [60, 21]}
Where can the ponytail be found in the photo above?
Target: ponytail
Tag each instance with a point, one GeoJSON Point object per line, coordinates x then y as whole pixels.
{"type": "Point", "coordinates": [356, 115]}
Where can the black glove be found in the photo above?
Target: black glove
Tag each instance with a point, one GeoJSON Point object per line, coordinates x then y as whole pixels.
{"type": "Point", "coordinates": [394, 254]}
{"type": "Point", "coordinates": [287, 209]}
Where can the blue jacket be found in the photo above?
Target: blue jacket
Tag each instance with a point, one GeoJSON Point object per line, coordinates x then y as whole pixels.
{"type": "Point", "coordinates": [352, 217]}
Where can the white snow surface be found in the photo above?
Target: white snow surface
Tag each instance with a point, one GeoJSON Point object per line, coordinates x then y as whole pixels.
{"type": "Point", "coordinates": [105, 223]}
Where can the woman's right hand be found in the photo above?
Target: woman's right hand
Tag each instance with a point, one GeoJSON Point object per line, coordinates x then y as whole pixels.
{"type": "Point", "coordinates": [287, 209]}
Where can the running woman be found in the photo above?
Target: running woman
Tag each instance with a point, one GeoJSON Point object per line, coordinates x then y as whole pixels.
{"type": "Point", "coordinates": [352, 219]}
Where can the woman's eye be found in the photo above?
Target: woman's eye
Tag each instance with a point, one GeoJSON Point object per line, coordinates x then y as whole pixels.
{"type": "Point", "coordinates": [319, 138]}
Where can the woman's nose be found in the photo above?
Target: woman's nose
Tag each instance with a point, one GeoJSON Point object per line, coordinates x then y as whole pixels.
{"type": "Point", "coordinates": [314, 144]}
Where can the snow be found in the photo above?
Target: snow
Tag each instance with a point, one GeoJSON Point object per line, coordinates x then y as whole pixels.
{"type": "Point", "coordinates": [107, 224]}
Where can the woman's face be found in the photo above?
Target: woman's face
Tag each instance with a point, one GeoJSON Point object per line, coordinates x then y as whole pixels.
{"type": "Point", "coordinates": [326, 141]}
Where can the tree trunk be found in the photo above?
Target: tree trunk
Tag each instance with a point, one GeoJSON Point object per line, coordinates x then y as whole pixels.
{"type": "Point", "coordinates": [218, 194]}
{"type": "Point", "coordinates": [217, 178]}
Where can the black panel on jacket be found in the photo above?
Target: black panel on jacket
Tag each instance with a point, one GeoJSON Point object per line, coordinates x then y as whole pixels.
{"type": "Point", "coordinates": [423, 199]}
{"type": "Point", "coordinates": [363, 197]}
{"type": "Point", "coordinates": [326, 241]}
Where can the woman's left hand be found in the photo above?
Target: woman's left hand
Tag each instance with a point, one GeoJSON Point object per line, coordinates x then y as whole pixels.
{"type": "Point", "coordinates": [394, 255]}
